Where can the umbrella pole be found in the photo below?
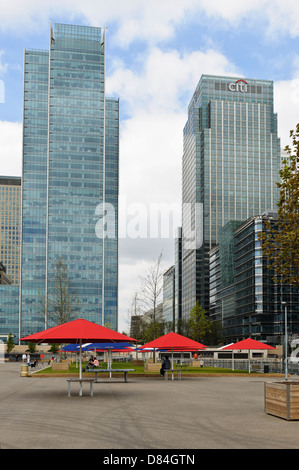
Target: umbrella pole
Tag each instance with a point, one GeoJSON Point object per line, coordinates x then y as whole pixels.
{"type": "Point", "coordinates": [172, 358]}
{"type": "Point", "coordinates": [80, 360]}
{"type": "Point", "coordinates": [249, 361]}
{"type": "Point", "coordinates": [110, 361]}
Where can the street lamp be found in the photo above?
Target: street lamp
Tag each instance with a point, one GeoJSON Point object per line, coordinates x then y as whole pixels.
{"type": "Point", "coordinates": [286, 338]}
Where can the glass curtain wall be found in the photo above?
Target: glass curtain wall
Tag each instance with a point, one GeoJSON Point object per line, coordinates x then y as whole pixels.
{"type": "Point", "coordinates": [67, 158]}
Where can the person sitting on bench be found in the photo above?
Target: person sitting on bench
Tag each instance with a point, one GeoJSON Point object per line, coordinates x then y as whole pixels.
{"type": "Point", "coordinates": [92, 363]}
{"type": "Point", "coordinates": [165, 366]}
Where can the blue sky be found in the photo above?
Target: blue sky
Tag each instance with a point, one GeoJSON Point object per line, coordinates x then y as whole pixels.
{"type": "Point", "coordinates": [156, 53]}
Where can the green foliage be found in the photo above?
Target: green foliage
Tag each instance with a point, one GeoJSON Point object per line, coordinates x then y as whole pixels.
{"type": "Point", "coordinates": [281, 244]}
{"type": "Point", "coordinates": [10, 343]}
{"type": "Point", "coordinates": [54, 348]}
{"type": "Point", "coordinates": [32, 347]}
{"type": "Point", "coordinates": [199, 323]}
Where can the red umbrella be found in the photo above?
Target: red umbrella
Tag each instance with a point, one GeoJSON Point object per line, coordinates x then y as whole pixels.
{"type": "Point", "coordinates": [78, 331]}
{"type": "Point", "coordinates": [174, 342]}
{"type": "Point", "coordinates": [249, 344]}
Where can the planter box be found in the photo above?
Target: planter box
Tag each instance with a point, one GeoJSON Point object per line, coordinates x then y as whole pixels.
{"type": "Point", "coordinates": [282, 399]}
{"type": "Point", "coordinates": [152, 367]}
{"type": "Point", "coordinates": [60, 366]}
{"type": "Point", "coordinates": [137, 362]}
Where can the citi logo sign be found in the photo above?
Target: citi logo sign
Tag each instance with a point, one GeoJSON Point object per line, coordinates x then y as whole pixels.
{"type": "Point", "coordinates": [239, 86]}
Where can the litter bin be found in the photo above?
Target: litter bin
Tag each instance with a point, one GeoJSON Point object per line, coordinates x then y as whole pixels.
{"type": "Point", "coordinates": [24, 371]}
{"type": "Point", "coordinates": [266, 369]}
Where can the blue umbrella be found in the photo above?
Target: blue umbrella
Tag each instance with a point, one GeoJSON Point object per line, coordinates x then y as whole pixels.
{"type": "Point", "coordinates": [70, 348]}
{"type": "Point", "coordinates": [92, 346]}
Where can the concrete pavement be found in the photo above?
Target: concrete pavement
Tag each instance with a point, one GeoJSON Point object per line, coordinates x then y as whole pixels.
{"type": "Point", "coordinates": [194, 413]}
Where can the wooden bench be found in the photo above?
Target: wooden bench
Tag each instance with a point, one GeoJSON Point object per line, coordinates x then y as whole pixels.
{"type": "Point", "coordinates": [90, 381]}
{"type": "Point", "coordinates": [179, 372]}
{"type": "Point", "coordinates": [125, 371]}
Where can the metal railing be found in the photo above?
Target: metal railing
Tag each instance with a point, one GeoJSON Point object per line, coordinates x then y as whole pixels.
{"type": "Point", "coordinates": [270, 366]}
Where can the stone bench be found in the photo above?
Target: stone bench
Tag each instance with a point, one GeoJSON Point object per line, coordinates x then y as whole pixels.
{"type": "Point", "coordinates": [173, 371]}
{"type": "Point", "coordinates": [90, 381]}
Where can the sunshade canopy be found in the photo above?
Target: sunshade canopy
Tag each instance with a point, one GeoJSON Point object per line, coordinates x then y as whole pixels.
{"type": "Point", "coordinates": [174, 341]}
{"type": "Point", "coordinates": [76, 330]}
{"type": "Point", "coordinates": [248, 344]}
{"type": "Point", "coordinates": [119, 346]}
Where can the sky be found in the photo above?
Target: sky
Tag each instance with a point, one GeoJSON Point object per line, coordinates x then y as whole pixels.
{"type": "Point", "coordinates": [156, 53]}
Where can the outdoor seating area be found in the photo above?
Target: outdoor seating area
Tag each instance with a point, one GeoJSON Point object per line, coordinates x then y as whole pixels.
{"type": "Point", "coordinates": [80, 336]}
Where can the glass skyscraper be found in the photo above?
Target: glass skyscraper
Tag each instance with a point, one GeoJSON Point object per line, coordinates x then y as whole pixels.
{"type": "Point", "coordinates": [70, 172]}
{"type": "Point", "coordinates": [231, 164]}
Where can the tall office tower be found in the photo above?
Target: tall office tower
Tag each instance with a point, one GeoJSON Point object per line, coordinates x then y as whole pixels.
{"type": "Point", "coordinates": [10, 225]}
{"type": "Point", "coordinates": [231, 162]}
{"type": "Point", "coordinates": [169, 297]}
{"type": "Point", "coordinates": [70, 175]}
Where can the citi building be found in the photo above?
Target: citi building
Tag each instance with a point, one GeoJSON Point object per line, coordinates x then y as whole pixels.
{"type": "Point", "coordinates": [231, 162]}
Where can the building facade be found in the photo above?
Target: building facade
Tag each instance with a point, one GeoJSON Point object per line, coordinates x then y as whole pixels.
{"type": "Point", "coordinates": [231, 161]}
{"type": "Point", "coordinates": [169, 297]}
{"type": "Point", "coordinates": [243, 295]}
{"type": "Point", "coordinates": [4, 278]}
{"type": "Point", "coordinates": [10, 225]}
{"type": "Point", "coordinates": [70, 176]}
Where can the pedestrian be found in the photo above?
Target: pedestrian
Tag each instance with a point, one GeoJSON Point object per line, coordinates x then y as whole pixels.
{"type": "Point", "coordinates": [165, 366]}
{"type": "Point", "coordinates": [24, 357]}
{"type": "Point", "coordinates": [28, 359]}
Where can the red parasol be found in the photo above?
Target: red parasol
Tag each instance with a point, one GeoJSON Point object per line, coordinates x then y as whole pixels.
{"type": "Point", "coordinates": [78, 331]}
{"type": "Point", "coordinates": [249, 344]}
{"type": "Point", "coordinates": [174, 342]}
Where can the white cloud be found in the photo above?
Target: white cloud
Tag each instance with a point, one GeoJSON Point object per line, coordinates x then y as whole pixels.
{"type": "Point", "coordinates": [153, 20]}
{"type": "Point", "coordinates": [10, 148]}
{"type": "Point", "coordinates": [286, 102]}
{"type": "Point", "coordinates": [279, 17]}
{"type": "Point", "coordinates": [3, 66]}
{"type": "Point", "coordinates": [286, 105]}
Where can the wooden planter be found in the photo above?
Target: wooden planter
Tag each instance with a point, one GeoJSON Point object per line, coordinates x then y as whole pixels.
{"type": "Point", "coordinates": [282, 399]}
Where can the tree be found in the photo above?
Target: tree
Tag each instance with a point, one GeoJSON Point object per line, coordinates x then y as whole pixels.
{"type": "Point", "coordinates": [151, 296]}
{"type": "Point", "coordinates": [32, 347]}
{"type": "Point", "coordinates": [10, 343]}
{"type": "Point", "coordinates": [216, 335]}
{"type": "Point", "coordinates": [280, 244]}
{"type": "Point", "coordinates": [61, 304]}
{"type": "Point", "coordinates": [199, 323]}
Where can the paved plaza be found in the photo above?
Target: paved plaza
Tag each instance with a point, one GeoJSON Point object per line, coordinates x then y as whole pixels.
{"type": "Point", "coordinates": [145, 413]}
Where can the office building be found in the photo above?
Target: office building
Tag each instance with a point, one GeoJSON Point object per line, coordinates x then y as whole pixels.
{"type": "Point", "coordinates": [243, 295]}
{"type": "Point", "coordinates": [10, 225]}
{"type": "Point", "coordinates": [70, 176]}
{"type": "Point", "coordinates": [231, 162]}
{"type": "Point", "coordinates": [4, 278]}
{"type": "Point", "coordinates": [169, 298]}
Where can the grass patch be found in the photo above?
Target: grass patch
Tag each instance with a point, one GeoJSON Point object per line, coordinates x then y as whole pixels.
{"type": "Point", "coordinates": [140, 369]}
